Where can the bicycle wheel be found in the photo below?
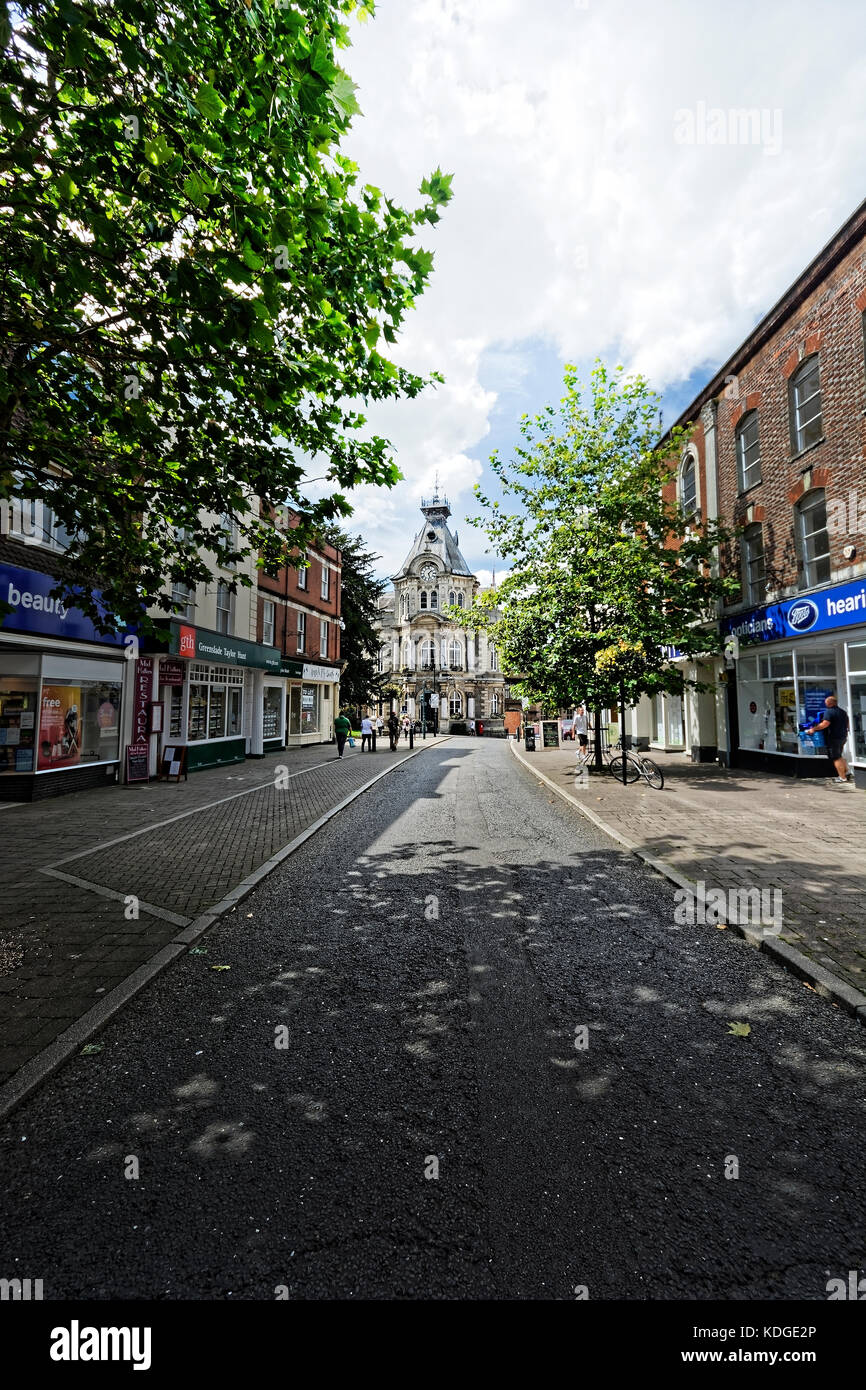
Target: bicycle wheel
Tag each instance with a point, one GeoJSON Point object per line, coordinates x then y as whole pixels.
{"type": "Point", "coordinates": [632, 770]}
{"type": "Point", "coordinates": [652, 773]}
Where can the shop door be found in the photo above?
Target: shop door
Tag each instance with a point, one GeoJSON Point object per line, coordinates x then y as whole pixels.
{"type": "Point", "coordinates": [295, 710]}
{"type": "Point", "coordinates": [858, 717]}
{"type": "Point", "coordinates": [785, 707]}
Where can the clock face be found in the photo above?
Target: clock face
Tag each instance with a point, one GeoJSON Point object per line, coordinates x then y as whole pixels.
{"type": "Point", "coordinates": [428, 573]}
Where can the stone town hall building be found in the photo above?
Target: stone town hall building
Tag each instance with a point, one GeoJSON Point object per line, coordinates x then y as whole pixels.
{"type": "Point", "coordinates": [421, 647]}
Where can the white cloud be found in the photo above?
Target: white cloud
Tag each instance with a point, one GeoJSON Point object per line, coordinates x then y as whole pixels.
{"type": "Point", "coordinates": [578, 219]}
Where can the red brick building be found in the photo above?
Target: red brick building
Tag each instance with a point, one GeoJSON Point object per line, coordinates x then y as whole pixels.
{"type": "Point", "coordinates": [779, 450]}
{"type": "Point", "coordinates": [299, 614]}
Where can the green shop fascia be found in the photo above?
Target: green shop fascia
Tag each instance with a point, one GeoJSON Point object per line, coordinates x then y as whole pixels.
{"type": "Point", "coordinates": [211, 687]}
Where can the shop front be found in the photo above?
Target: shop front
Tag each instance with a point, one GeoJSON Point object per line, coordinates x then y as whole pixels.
{"type": "Point", "coordinates": [212, 691]}
{"type": "Point", "coordinates": [312, 701]}
{"type": "Point", "coordinates": [788, 658]}
{"type": "Point", "coordinates": [61, 692]}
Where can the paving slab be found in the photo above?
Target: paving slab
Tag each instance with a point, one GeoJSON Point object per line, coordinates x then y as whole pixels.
{"type": "Point", "coordinates": [734, 830]}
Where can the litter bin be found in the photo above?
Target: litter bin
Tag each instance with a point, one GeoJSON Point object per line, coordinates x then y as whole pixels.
{"type": "Point", "coordinates": [529, 737]}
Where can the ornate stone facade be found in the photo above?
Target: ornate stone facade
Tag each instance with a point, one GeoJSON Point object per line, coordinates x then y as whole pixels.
{"type": "Point", "coordinates": [422, 648]}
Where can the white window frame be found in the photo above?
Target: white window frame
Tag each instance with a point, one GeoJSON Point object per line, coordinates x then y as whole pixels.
{"type": "Point", "coordinates": [323, 637]}
{"type": "Point", "coordinates": [799, 426]}
{"type": "Point", "coordinates": [225, 612]}
{"type": "Point", "coordinates": [301, 630]}
{"type": "Point", "coordinates": [302, 576]}
{"type": "Point", "coordinates": [745, 465]}
{"type": "Point", "coordinates": [325, 591]}
{"type": "Point", "coordinates": [269, 610]}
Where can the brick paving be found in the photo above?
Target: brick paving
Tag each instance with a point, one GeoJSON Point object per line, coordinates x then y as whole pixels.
{"type": "Point", "coordinates": [737, 829]}
{"type": "Point", "coordinates": [64, 944]}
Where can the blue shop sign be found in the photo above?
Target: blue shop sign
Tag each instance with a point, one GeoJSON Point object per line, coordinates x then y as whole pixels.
{"type": "Point", "coordinates": [28, 594]}
{"type": "Point", "coordinates": [842, 606]}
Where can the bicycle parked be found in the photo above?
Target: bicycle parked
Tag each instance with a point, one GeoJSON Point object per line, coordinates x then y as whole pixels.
{"type": "Point", "coordinates": [636, 764]}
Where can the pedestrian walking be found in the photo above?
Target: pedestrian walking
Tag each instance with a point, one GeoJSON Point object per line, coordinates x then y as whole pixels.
{"type": "Point", "coordinates": [380, 727]}
{"type": "Point", "coordinates": [406, 725]}
{"type": "Point", "coordinates": [834, 725]}
{"type": "Point", "coordinates": [579, 727]}
{"type": "Point", "coordinates": [472, 726]}
{"type": "Point", "coordinates": [393, 730]}
{"type": "Point", "coordinates": [342, 729]}
{"type": "Point", "coordinates": [367, 735]}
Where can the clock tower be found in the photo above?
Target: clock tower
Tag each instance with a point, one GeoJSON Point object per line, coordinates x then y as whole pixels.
{"type": "Point", "coordinates": [424, 648]}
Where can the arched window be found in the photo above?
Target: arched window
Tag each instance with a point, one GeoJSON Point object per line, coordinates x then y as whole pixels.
{"type": "Point", "coordinates": [455, 704]}
{"type": "Point", "coordinates": [451, 598]}
{"type": "Point", "coordinates": [748, 452]}
{"type": "Point", "coordinates": [459, 600]}
{"type": "Point", "coordinates": [423, 598]}
{"type": "Point", "coordinates": [493, 657]}
{"type": "Point", "coordinates": [427, 650]}
{"type": "Point", "coordinates": [454, 655]}
{"type": "Point", "coordinates": [405, 651]}
{"type": "Point", "coordinates": [688, 485]}
{"type": "Point", "coordinates": [805, 403]}
{"type": "Point", "coordinates": [496, 703]}
{"type": "Point", "coordinates": [434, 598]}
{"type": "Point", "coordinates": [813, 537]}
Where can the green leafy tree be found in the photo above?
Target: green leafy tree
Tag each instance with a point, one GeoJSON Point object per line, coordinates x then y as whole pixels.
{"type": "Point", "coordinates": [360, 592]}
{"type": "Point", "coordinates": [601, 557]}
{"type": "Point", "coordinates": [197, 292]}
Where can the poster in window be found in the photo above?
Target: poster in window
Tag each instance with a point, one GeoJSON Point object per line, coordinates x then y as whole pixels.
{"type": "Point", "coordinates": [59, 726]}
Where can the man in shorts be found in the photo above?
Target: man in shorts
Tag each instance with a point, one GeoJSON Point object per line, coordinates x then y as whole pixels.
{"type": "Point", "coordinates": [834, 727]}
{"type": "Point", "coordinates": [579, 728]}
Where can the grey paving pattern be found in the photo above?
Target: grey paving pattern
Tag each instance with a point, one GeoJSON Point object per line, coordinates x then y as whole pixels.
{"type": "Point", "coordinates": [67, 944]}
{"type": "Point", "coordinates": [743, 830]}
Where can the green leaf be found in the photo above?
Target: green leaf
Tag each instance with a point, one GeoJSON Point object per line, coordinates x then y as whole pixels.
{"type": "Point", "coordinates": [209, 102]}
{"type": "Point", "coordinates": [740, 1030]}
{"type": "Point", "coordinates": [90, 1049]}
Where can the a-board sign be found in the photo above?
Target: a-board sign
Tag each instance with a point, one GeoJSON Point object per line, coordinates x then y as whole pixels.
{"type": "Point", "coordinates": [550, 733]}
{"type": "Point", "coordinates": [173, 763]}
{"type": "Point", "coordinates": [136, 762]}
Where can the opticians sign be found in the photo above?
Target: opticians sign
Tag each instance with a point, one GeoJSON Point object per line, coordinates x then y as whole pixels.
{"type": "Point", "coordinates": [842, 606]}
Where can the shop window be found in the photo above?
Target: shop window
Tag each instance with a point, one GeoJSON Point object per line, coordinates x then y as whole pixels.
{"type": "Point", "coordinates": [78, 723]}
{"type": "Point", "coordinates": [268, 610]}
{"type": "Point", "coordinates": [216, 724]}
{"type": "Point", "coordinates": [309, 709]}
{"type": "Point", "coordinates": [805, 405]}
{"type": "Point", "coordinates": [18, 713]}
{"type": "Point", "coordinates": [814, 538]}
{"type": "Point", "coordinates": [273, 704]}
{"type": "Point", "coordinates": [748, 452]}
{"type": "Point", "coordinates": [175, 712]}
{"type": "Point", "coordinates": [754, 576]}
{"type": "Point", "coordinates": [197, 712]}
{"type": "Point", "coordinates": [225, 604]}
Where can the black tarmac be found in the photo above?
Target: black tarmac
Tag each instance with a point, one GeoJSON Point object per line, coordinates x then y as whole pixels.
{"type": "Point", "coordinates": [455, 1047]}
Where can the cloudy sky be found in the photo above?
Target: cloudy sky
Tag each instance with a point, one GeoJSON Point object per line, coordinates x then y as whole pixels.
{"type": "Point", "coordinates": [601, 207]}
